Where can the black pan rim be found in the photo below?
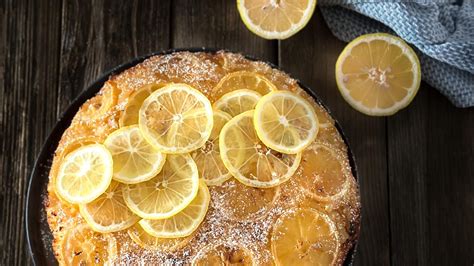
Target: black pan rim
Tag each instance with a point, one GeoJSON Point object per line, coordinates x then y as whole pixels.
{"type": "Point", "coordinates": [36, 184]}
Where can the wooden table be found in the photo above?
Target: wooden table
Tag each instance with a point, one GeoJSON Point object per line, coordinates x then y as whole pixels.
{"type": "Point", "coordinates": [416, 167]}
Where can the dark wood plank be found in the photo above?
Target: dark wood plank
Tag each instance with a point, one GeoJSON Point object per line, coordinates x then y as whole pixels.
{"type": "Point", "coordinates": [107, 34]}
{"type": "Point", "coordinates": [30, 34]}
{"type": "Point", "coordinates": [217, 25]}
{"type": "Point", "coordinates": [431, 170]}
{"type": "Point", "coordinates": [310, 56]}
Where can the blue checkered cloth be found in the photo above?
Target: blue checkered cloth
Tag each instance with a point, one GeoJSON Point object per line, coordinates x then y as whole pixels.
{"type": "Point", "coordinates": [442, 33]}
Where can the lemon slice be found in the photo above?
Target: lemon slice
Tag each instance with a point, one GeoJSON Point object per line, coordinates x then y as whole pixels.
{"type": "Point", "coordinates": [249, 160]}
{"type": "Point", "coordinates": [109, 213]}
{"type": "Point", "coordinates": [378, 74]}
{"type": "Point", "coordinates": [281, 114]}
{"type": "Point", "coordinates": [237, 102]}
{"type": "Point", "coordinates": [69, 147]}
{"type": "Point", "coordinates": [224, 254]}
{"type": "Point", "coordinates": [176, 119]}
{"type": "Point", "coordinates": [242, 80]}
{"type": "Point", "coordinates": [304, 237]}
{"type": "Point", "coordinates": [208, 158]}
{"type": "Point", "coordinates": [275, 19]}
{"type": "Point", "coordinates": [135, 160]}
{"type": "Point", "coordinates": [239, 202]}
{"type": "Point", "coordinates": [147, 241]}
{"type": "Point", "coordinates": [185, 222]}
{"type": "Point", "coordinates": [167, 193]}
{"type": "Point", "coordinates": [100, 105]}
{"type": "Point", "coordinates": [82, 246]}
{"type": "Point", "coordinates": [130, 113]}
{"type": "Point", "coordinates": [84, 174]}
{"type": "Point", "coordinates": [324, 175]}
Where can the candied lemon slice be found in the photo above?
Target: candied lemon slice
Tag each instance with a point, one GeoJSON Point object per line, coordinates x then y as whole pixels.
{"type": "Point", "coordinates": [83, 246]}
{"type": "Point", "coordinates": [378, 74]}
{"type": "Point", "coordinates": [242, 80]}
{"type": "Point", "coordinates": [84, 174]}
{"type": "Point", "coordinates": [135, 160]}
{"type": "Point", "coordinates": [109, 213]}
{"type": "Point", "coordinates": [249, 160]}
{"type": "Point", "coordinates": [100, 105]}
{"type": "Point", "coordinates": [278, 115]}
{"type": "Point", "coordinates": [238, 101]}
{"type": "Point", "coordinates": [167, 193]}
{"type": "Point", "coordinates": [239, 202]}
{"type": "Point", "coordinates": [185, 222]}
{"type": "Point", "coordinates": [275, 19]}
{"type": "Point", "coordinates": [224, 254]}
{"type": "Point", "coordinates": [208, 158]}
{"type": "Point", "coordinates": [324, 175]}
{"type": "Point", "coordinates": [130, 113]}
{"type": "Point", "coordinates": [147, 241]}
{"type": "Point", "coordinates": [304, 237]}
{"type": "Point", "coordinates": [176, 119]}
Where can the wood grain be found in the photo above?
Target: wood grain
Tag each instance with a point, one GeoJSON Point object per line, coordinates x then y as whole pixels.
{"type": "Point", "coordinates": [216, 25]}
{"type": "Point", "coordinates": [431, 170]}
{"type": "Point", "coordinates": [311, 56]}
{"type": "Point", "coordinates": [29, 66]}
{"type": "Point", "coordinates": [416, 167]}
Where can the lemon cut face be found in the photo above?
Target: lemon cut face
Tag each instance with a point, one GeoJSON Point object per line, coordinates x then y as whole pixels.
{"type": "Point", "coordinates": [135, 160]}
{"type": "Point", "coordinates": [285, 122]}
{"type": "Point", "coordinates": [85, 174]}
{"type": "Point", "coordinates": [304, 237]}
{"type": "Point", "coordinates": [109, 213]}
{"type": "Point", "coordinates": [241, 80]}
{"type": "Point", "coordinates": [185, 222]}
{"type": "Point", "coordinates": [249, 160]}
{"type": "Point", "coordinates": [176, 119]}
{"type": "Point", "coordinates": [167, 193]}
{"type": "Point", "coordinates": [378, 74]}
{"type": "Point", "coordinates": [208, 158]}
{"type": "Point", "coordinates": [237, 102]}
{"type": "Point", "coordinates": [276, 19]}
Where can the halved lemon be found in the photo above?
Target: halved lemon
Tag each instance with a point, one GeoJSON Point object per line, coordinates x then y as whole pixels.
{"type": "Point", "coordinates": [237, 102]}
{"type": "Point", "coordinates": [185, 222]}
{"type": "Point", "coordinates": [208, 158]}
{"type": "Point", "coordinates": [85, 174]}
{"type": "Point", "coordinates": [242, 80]}
{"type": "Point", "coordinates": [167, 193]}
{"type": "Point", "coordinates": [239, 202]}
{"type": "Point", "coordinates": [109, 213]}
{"type": "Point", "coordinates": [281, 114]}
{"type": "Point", "coordinates": [130, 113]}
{"type": "Point", "coordinates": [135, 160]}
{"type": "Point", "coordinates": [147, 241]}
{"type": "Point", "coordinates": [176, 119]}
{"type": "Point", "coordinates": [378, 74]}
{"type": "Point", "coordinates": [249, 160]}
{"type": "Point", "coordinates": [83, 246]}
{"type": "Point", "coordinates": [224, 254]}
{"type": "Point", "coordinates": [304, 237]}
{"type": "Point", "coordinates": [276, 19]}
{"type": "Point", "coordinates": [324, 176]}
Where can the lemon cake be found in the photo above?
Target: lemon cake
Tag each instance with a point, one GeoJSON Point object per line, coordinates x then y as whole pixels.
{"type": "Point", "coordinates": [202, 159]}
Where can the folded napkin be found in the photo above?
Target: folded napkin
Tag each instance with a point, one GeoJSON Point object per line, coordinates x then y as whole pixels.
{"type": "Point", "coordinates": [442, 33]}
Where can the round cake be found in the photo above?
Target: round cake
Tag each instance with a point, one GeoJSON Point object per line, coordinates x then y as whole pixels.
{"type": "Point", "coordinates": [312, 217]}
